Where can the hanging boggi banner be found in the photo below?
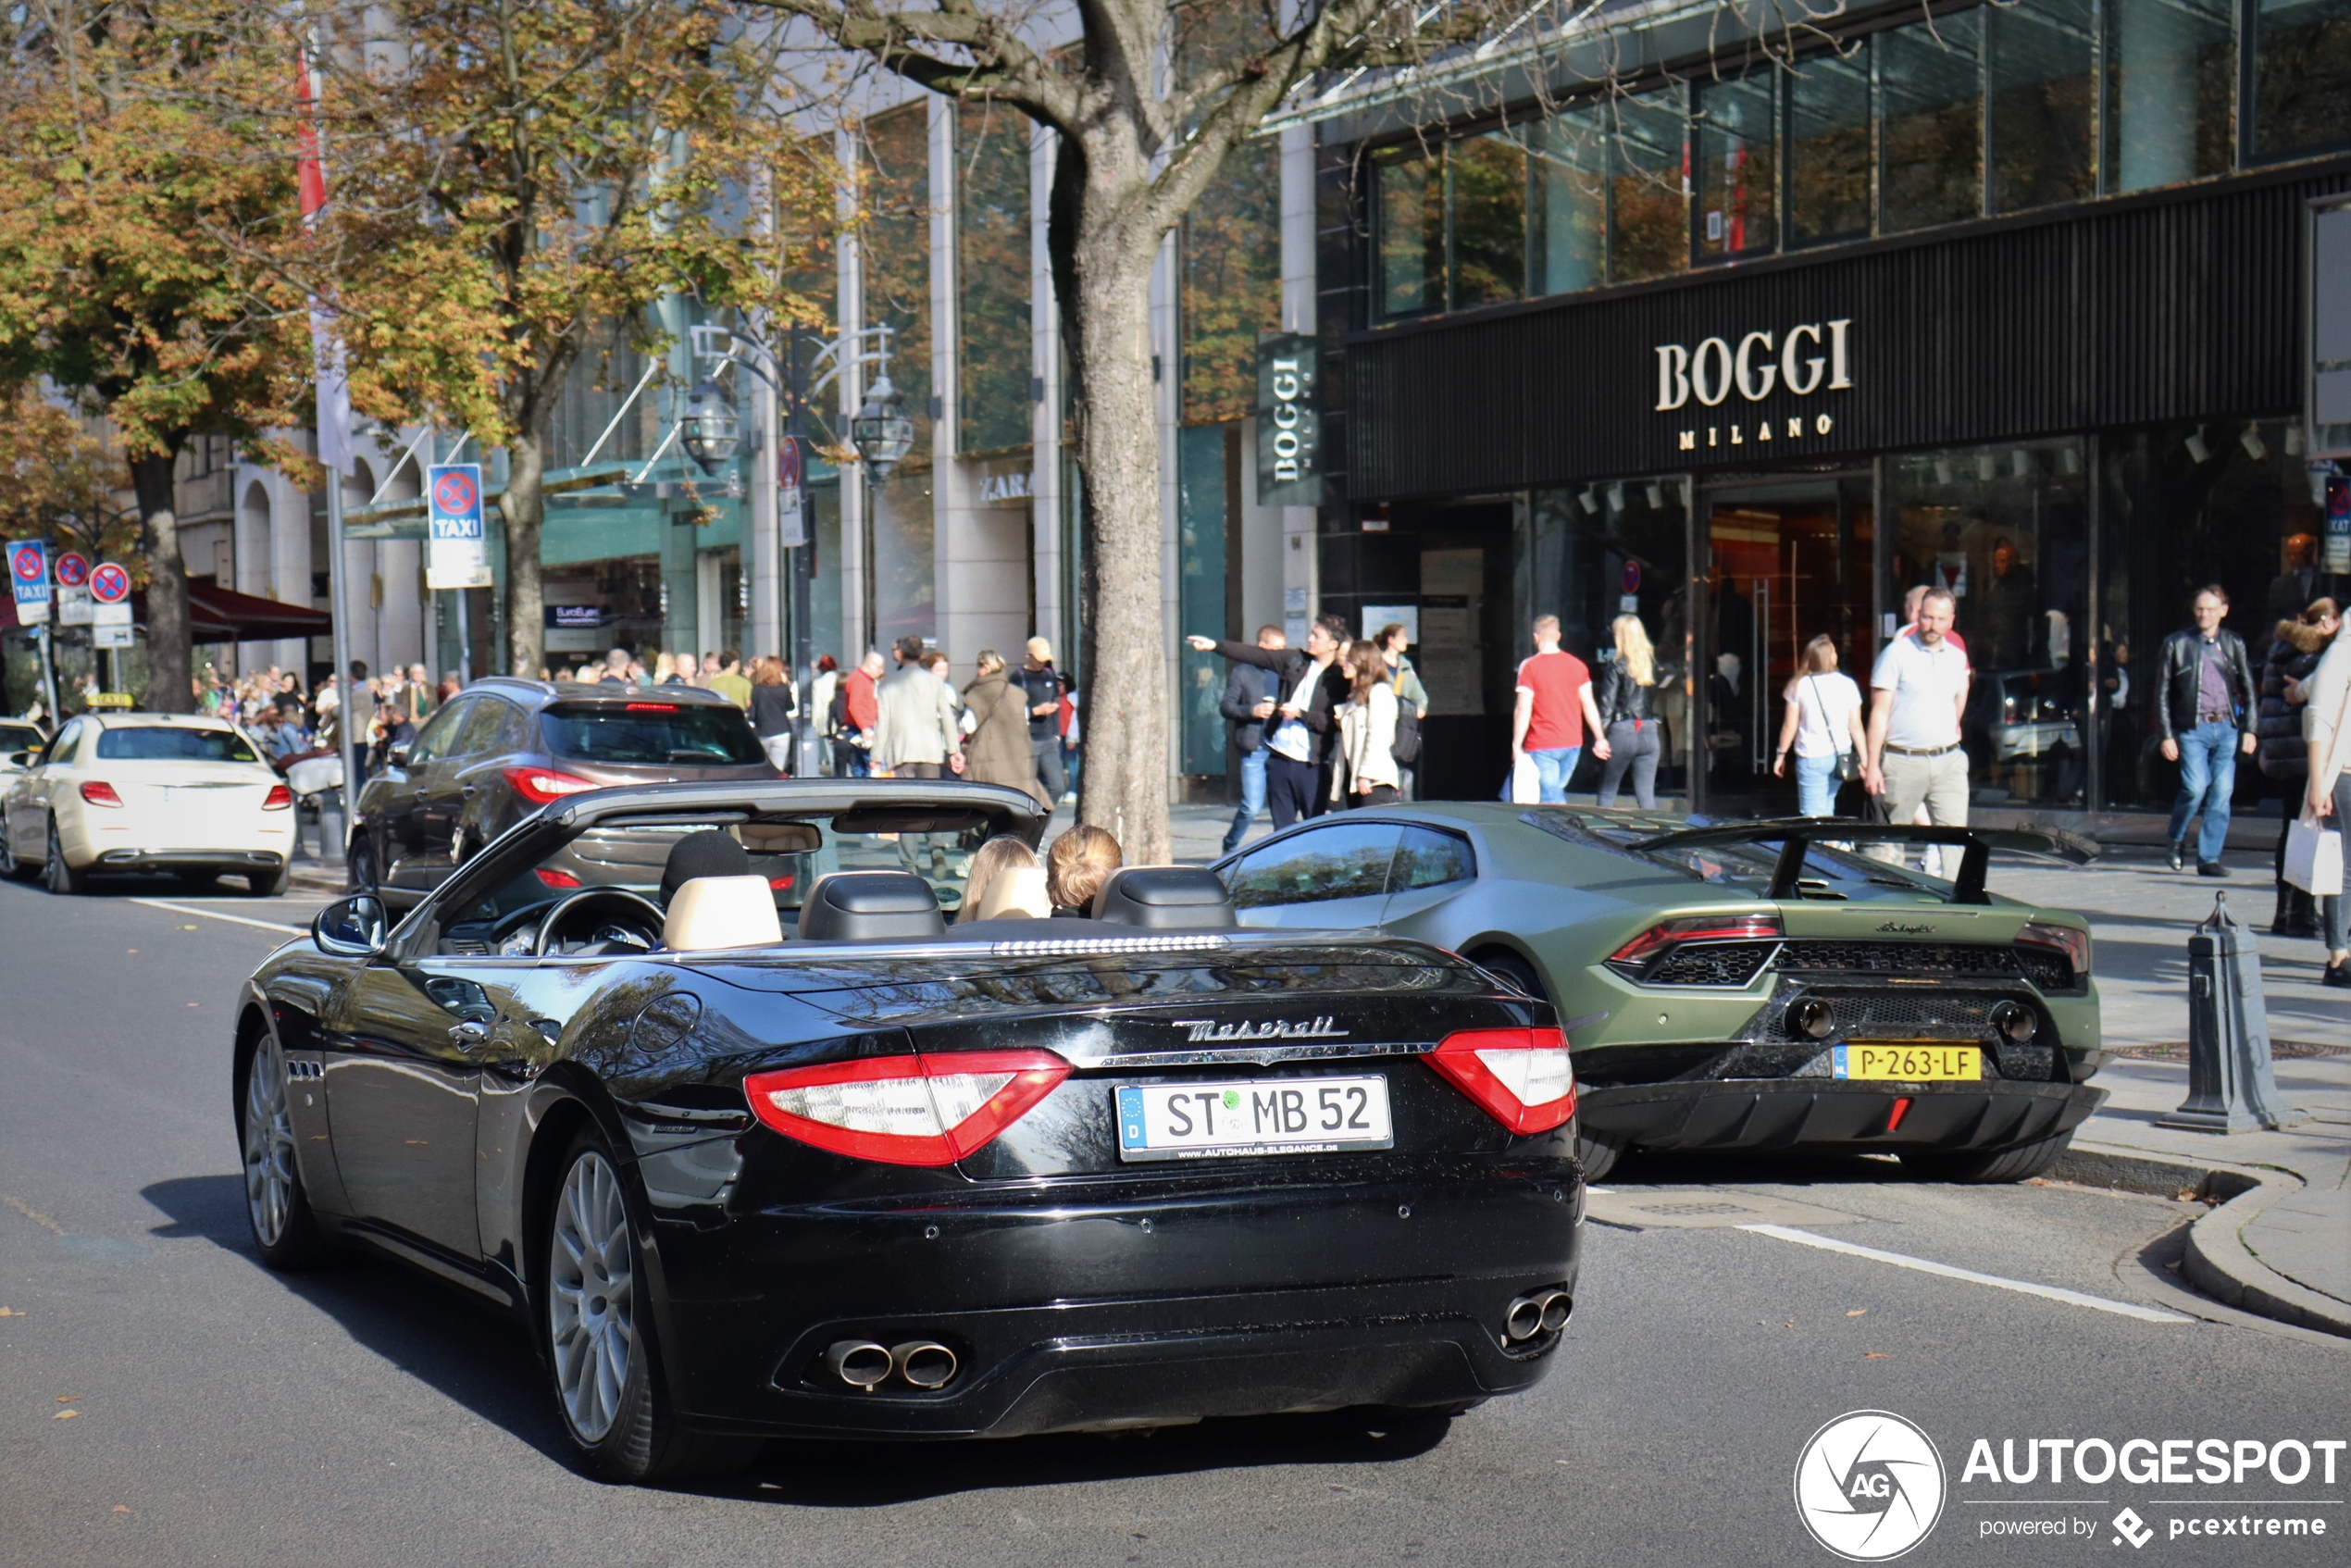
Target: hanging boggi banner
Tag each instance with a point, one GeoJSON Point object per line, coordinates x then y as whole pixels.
{"type": "Point", "coordinates": [1290, 464]}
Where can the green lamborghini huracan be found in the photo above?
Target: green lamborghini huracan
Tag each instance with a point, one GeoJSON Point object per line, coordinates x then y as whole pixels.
{"type": "Point", "coordinates": [1738, 984]}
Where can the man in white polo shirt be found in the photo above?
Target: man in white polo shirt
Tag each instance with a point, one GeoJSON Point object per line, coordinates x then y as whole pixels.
{"type": "Point", "coordinates": [1917, 693]}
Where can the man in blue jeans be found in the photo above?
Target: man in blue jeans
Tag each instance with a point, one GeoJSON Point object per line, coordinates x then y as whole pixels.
{"type": "Point", "coordinates": [1554, 705]}
{"type": "Point", "coordinates": [2205, 709]}
{"type": "Point", "coordinates": [1249, 702]}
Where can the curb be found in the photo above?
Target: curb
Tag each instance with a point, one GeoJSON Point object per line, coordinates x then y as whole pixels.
{"type": "Point", "coordinates": [2216, 1261]}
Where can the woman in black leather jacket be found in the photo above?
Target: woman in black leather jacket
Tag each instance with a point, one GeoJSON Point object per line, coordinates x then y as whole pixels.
{"type": "Point", "coordinates": [2284, 760]}
{"type": "Point", "coordinates": [1625, 694]}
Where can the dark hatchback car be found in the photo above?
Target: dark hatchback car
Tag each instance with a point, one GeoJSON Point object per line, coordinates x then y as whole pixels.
{"type": "Point", "coordinates": [502, 747]}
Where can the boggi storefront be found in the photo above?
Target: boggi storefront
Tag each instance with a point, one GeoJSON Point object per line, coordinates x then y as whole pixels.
{"type": "Point", "coordinates": [2010, 300]}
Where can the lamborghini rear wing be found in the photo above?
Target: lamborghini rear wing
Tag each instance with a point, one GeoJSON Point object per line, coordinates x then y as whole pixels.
{"type": "Point", "coordinates": [1797, 834]}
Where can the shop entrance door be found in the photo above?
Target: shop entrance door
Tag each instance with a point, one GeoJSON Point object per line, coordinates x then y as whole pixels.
{"type": "Point", "coordinates": [1785, 561]}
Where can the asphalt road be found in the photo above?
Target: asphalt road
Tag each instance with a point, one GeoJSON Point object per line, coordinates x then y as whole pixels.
{"type": "Point", "coordinates": [164, 1400]}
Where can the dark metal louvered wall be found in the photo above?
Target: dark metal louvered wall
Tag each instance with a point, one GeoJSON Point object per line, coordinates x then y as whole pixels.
{"type": "Point", "coordinates": [2178, 308]}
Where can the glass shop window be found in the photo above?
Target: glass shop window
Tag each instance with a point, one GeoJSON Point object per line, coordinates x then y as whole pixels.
{"type": "Point", "coordinates": [2301, 76]}
{"type": "Point", "coordinates": [1931, 146]}
{"type": "Point", "coordinates": [2043, 80]}
{"type": "Point", "coordinates": [1736, 215]}
{"type": "Point", "coordinates": [1407, 186]}
{"type": "Point", "coordinates": [1487, 175]}
{"type": "Point", "coordinates": [1648, 187]}
{"type": "Point", "coordinates": [2170, 65]}
{"type": "Point", "coordinates": [1828, 149]}
{"type": "Point", "coordinates": [1567, 202]}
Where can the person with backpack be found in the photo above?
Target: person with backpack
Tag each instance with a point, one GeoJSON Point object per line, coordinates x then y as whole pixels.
{"type": "Point", "coordinates": [1367, 728]}
{"type": "Point", "coordinates": [1412, 703]}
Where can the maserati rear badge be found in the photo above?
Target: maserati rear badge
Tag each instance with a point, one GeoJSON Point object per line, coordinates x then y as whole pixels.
{"type": "Point", "coordinates": [1272, 1029]}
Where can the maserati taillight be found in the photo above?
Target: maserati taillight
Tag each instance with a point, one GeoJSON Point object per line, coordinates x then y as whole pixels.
{"type": "Point", "coordinates": [905, 1109]}
{"type": "Point", "coordinates": [539, 785]}
{"type": "Point", "coordinates": [98, 792]}
{"type": "Point", "coordinates": [1523, 1077]}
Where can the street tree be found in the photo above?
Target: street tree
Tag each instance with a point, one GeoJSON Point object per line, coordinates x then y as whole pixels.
{"type": "Point", "coordinates": [141, 202]}
{"type": "Point", "coordinates": [1148, 99]}
{"type": "Point", "coordinates": [508, 185]}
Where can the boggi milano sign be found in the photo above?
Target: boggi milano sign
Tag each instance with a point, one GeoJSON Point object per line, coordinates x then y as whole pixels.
{"type": "Point", "coordinates": [1810, 358]}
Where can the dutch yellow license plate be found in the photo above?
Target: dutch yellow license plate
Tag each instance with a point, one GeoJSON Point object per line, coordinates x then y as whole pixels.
{"type": "Point", "coordinates": [1910, 1064]}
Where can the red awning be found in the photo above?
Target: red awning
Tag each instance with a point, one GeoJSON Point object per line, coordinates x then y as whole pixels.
{"type": "Point", "coordinates": [223, 614]}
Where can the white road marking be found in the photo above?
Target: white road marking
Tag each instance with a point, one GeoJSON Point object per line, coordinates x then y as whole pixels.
{"type": "Point", "coordinates": [2051, 1292]}
{"type": "Point", "coordinates": [215, 914]}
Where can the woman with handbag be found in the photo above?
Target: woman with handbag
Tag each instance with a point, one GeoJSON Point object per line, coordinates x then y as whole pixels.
{"type": "Point", "coordinates": [2285, 761]}
{"type": "Point", "coordinates": [2326, 801]}
{"type": "Point", "coordinates": [1822, 706]}
{"type": "Point", "coordinates": [1626, 694]}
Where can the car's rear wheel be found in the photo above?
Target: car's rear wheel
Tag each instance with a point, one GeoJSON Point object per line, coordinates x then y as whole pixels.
{"type": "Point", "coordinates": [1977, 1168]}
{"type": "Point", "coordinates": [596, 1319]}
{"type": "Point", "coordinates": [56, 875]}
{"type": "Point", "coordinates": [285, 1232]}
{"type": "Point", "coordinates": [1596, 1155]}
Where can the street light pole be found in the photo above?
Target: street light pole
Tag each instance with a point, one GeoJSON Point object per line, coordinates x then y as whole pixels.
{"type": "Point", "coordinates": [804, 569]}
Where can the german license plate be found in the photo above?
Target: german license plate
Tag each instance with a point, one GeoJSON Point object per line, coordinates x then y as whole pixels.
{"type": "Point", "coordinates": [1910, 1064]}
{"type": "Point", "coordinates": [1209, 1121]}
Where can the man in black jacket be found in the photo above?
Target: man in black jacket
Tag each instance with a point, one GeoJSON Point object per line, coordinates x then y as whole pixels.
{"type": "Point", "coordinates": [2206, 710]}
{"type": "Point", "coordinates": [1308, 685]}
{"type": "Point", "coordinates": [1249, 702]}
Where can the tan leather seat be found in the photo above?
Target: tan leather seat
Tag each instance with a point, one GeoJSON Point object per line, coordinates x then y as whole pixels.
{"type": "Point", "coordinates": [711, 912]}
{"type": "Point", "coordinates": [1017, 891]}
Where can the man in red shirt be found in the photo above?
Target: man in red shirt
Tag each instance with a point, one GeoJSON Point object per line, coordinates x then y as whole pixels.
{"type": "Point", "coordinates": [861, 715]}
{"type": "Point", "coordinates": [1554, 704]}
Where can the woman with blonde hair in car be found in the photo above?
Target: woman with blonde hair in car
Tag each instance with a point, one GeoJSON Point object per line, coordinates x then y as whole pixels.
{"type": "Point", "coordinates": [989, 891]}
{"type": "Point", "coordinates": [1076, 868]}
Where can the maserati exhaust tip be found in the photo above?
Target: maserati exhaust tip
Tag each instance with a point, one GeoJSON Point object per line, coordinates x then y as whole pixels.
{"type": "Point", "coordinates": [926, 1364]}
{"type": "Point", "coordinates": [861, 1363]}
{"type": "Point", "coordinates": [1558, 1307]}
{"type": "Point", "coordinates": [1523, 1318]}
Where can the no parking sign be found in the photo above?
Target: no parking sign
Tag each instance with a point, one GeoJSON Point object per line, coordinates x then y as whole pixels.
{"type": "Point", "coordinates": [460, 556]}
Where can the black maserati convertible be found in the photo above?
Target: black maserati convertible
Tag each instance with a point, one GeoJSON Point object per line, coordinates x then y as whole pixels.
{"type": "Point", "coordinates": [757, 1144]}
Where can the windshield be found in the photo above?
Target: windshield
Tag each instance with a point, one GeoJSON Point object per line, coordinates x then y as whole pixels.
{"type": "Point", "coordinates": [653, 734]}
{"type": "Point", "coordinates": [157, 742]}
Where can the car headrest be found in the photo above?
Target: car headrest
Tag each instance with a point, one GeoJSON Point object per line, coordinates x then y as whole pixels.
{"type": "Point", "coordinates": [849, 906]}
{"type": "Point", "coordinates": [1166, 897]}
{"type": "Point", "coordinates": [1018, 889]}
{"type": "Point", "coordinates": [711, 852]}
{"type": "Point", "coordinates": [708, 912]}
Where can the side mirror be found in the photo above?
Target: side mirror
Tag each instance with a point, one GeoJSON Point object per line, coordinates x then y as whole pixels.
{"type": "Point", "coordinates": [352, 928]}
{"type": "Point", "coordinates": [396, 755]}
{"type": "Point", "coordinates": [20, 759]}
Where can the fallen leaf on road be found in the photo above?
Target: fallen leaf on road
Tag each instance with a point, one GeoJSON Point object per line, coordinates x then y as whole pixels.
{"type": "Point", "coordinates": [192, 928]}
{"type": "Point", "coordinates": [1877, 1355]}
{"type": "Point", "coordinates": [132, 951]}
{"type": "Point", "coordinates": [120, 1508]}
{"type": "Point", "coordinates": [64, 1416]}
{"type": "Point", "coordinates": [11, 1312]}
{"type": "Point", "coordinates": [68, 1399]}
{"type": "Point", "coordinates": [192, 1004]}
{"type": "Point", "coordinates": [1857, 1311]}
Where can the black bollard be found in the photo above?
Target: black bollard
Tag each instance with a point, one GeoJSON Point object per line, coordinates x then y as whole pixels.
{"type": "Point", "coordinates": [2231, 1087]}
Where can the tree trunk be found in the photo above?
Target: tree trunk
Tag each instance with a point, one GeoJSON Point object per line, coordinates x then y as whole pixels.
{"type": "Point", "coordinates": [525, 507]}
{"type": "Point", "coordinates": [167, 636]}
{"type": "Point", "coordinates": [1125, 785]}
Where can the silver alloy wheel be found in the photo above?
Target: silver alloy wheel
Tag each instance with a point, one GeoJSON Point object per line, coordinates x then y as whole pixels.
{"type": "Point", "coordinates": [270, 1145]}
{"type": "Point", "coordinates": [591, 1300]}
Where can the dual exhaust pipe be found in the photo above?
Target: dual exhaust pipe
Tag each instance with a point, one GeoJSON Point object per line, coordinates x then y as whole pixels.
{"type": "Point", "coordinates": [865, 1365]}
{"type": "Point", "coordinates": [1539, 1311]}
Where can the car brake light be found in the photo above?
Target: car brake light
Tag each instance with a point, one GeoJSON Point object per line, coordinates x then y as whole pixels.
{"type": "Point", "coordinates": [98, 792]}
{"type": "Point", "coordinates": [781, 884]}
{"type": "Point", "coordinates": [1523, 1077]}
{"type": "Point", "coordinates": [649, 708]}
{"type": "Point", "coordinates": [2074, 944]}
{"type": "Point", "coordinates": [539, 785]}
{"type": "Point", "coordinates": [278, 799]}
{"type": "Point", "coordinates": [557, 879]}
{"type": "Point", "coordinates": [905, 1109]}
{"type": "Point", "coordinates": [1760, 926]}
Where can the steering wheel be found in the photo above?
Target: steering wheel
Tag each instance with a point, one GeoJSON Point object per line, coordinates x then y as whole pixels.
{"type": "Point", "coordinates": [626, 922]}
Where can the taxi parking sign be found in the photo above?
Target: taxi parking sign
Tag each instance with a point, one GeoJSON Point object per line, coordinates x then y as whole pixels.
{"type": "Point", "coordinates": [460, 556]}
{"type": "Point", "coordinates": [29, 577]}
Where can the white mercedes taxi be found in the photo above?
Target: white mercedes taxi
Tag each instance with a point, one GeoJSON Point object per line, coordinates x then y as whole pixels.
{"type": "Point", "coordinates": [180, 793]}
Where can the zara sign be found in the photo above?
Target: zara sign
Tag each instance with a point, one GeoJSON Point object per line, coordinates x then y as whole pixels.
{"type": "Point", "coordinates": [1804, 359]}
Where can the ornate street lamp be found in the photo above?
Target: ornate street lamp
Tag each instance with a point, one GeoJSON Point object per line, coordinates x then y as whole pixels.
{"type": "Point", "coordinates": [881, 430]}
{"type": "Point", "coordinates": [712, 431]}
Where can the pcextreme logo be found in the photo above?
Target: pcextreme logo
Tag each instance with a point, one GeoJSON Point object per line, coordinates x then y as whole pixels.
{"type": "Point", "coordinates": [1869, 1485]}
